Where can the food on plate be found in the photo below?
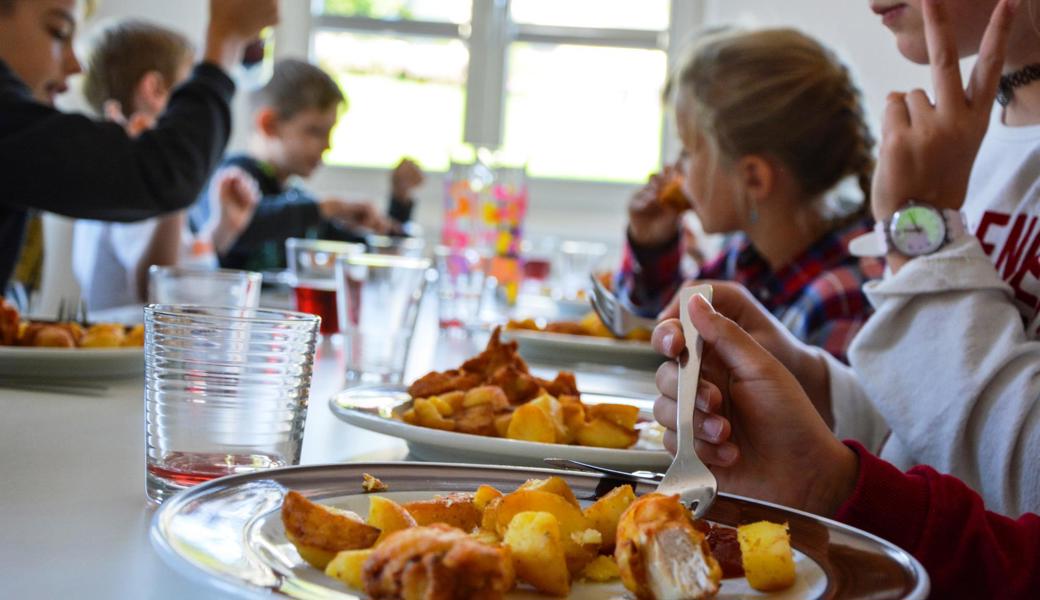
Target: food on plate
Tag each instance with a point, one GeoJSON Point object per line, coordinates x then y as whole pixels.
{"type": "Point", "coordinates": [494, 394]}
{"type": "Point", "coordinates": [485, 543]}
{"type": "Point", "coordinates": [673, 196]}
{"type": "Point", "coordinates": [726, 549]}
{"type": "Point", "coordinates": [589, 325]}
{"type": "Point", "coordinates": [437, 562]}
{"type": "Point", "coordinates": [767, 556]}
{"type": "Point", "coordinates": [370, 483]}
{"type": "Point", "coordinates": [14, 331]}
{"type": "Point", "coordinates": [319, 531]}
{"type": "Point", "coordinates": [662, 554]}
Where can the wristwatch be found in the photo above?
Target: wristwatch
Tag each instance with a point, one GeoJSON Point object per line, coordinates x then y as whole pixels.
{"type": "Point", "coordinates": [916, 229]}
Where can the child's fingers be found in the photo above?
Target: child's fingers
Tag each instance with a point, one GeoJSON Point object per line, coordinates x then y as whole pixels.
{"type": "Point", "coordinates": [985, 76]}
{"type": "Point", "coordinates": [897, 116]}
{"type": "Point", "coordinates": [943, 56]}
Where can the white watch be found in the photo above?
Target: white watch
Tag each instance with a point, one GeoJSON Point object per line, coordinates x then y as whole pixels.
{"type": "Point", "coordinates": [916, 229]}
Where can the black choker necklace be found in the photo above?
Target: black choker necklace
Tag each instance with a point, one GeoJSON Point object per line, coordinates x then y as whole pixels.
{"type": "Point", "coordinates": [1008, 83]}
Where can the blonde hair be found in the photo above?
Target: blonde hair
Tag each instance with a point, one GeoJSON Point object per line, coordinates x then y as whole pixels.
{"type": "Point", "coordinates": [778, 93]}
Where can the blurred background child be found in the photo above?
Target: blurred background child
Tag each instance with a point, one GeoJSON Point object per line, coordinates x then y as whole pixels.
{"type": "Point", "coordinates": [132, 68]}
{"type": "Point", "coordinates": [771, 123]}
{"type": "Point", "coordinates": [295, 114]}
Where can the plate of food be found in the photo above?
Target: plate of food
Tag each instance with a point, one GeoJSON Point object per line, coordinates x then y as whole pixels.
{"type": "Point", "coordinates": [584, 340]}
{"type": "Point", "coordinates": [492, 408]}
{"type": "Point", "coordinates": [31, 348]}
{"type": "Point", "coordinates": [421, 530]}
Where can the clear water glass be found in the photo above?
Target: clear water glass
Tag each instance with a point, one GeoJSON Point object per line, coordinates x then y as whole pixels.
{"type": "Point", "coordinates": [395, 246]}
{"type": "Point", "coordinates": [461, 285]}
{"type": "Point", "coordinates": [312, 275]}
{"type": "Point", "coordinates": [225, 392]}
{"type": "Point", "coordinates": [208, 287]}
{"type": "Point", "coordinates": [378, 298]}
{"type": "Point", "coordinates": [577, 260]}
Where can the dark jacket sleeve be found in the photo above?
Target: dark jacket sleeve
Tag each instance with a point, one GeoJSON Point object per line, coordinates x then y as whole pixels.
{"type": "Point", "coordinates": [279, 217]}
{"type": "Point", "coordinates": [75, 166]}
{"type": "Point", "coordinates": [400, 209]}
{"type": "Point", "coordinates": [967, 551]}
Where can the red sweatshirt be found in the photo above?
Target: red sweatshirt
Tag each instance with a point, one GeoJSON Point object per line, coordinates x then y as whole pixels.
{"type": "Point", "coordinates": [967, 551]}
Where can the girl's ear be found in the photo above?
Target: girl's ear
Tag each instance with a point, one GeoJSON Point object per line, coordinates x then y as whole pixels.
{"type": "Point", "coordinates": [758, 177]}
{"type": "Point", "coordinates": [151, 93]}
{"type": "Point", "coordinates": [267, 121]}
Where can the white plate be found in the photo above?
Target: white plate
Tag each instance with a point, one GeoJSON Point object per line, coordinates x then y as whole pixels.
{"type": "Point", "coordinates": [570, 349]}
{"type": "Point", "coordinates": [71, 362]}
{"type": "Point", "coordinates": [373, 407]}
{"type": "Point", "coordinates": [228, 533]}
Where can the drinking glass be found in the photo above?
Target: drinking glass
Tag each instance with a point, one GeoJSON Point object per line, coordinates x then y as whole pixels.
{"type": "Point", "coordinates": [225, 392]}
{"type": "Point", "coordinates": [461, 280]}
{"type": "Point", "coordinates": [378, 298]}
{"type": "Point", "coordinates": [312, 275]}
{"type": "Point", "coordinates": [578, 260]}
{"type": "Point", "coordinates": [395, 246]}
{"type": "Point", "coordinates": [210, 287]}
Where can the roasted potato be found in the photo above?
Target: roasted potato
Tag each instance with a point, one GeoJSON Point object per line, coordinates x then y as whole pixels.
{"type": "Point", "coordinates": [484, 495]}
{"type": "Point", "coordinates": [553, 485]}
{"type": "Point", "coordinates": [622, 415]}
{"type": "Point", "coordinates": [388, 516]}
{"type": "Point", "coordinates": [531, 423]}
{"type": "Point", "coordinates": [457, 510]}
{"type": "Point", "coordinates": [134, 337]}
{"type": "Point", "coordinates": [536, 543]}
{"type": "Point", "coordinates": [319, 532]}
{"type": "Point", "coordinates": [551, 406]}
{"type": "Point", "coordinates": [103, 335]}
{"type": "Point", "coordinates": [766, 552]}
{"type": "Point", "coordinates": [606, 434]}
{"type": "Point", "coordinates": [427, 415]}
{"type": "Point", "coordinates": [346, 567]}
{"type": "Point", "coordinates": [605, 513]}
{"type": "Point", "coordinates": [573, 524]}
{"type": "Point", "coordinates": [478, 419]}
{"type": "Point", "coordinates": [487, 394]}
{"type": "Point", "coordinates": [601, 569]}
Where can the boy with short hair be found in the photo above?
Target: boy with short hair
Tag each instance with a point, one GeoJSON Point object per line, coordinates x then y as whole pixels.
{"type": "Point", "coordinates": [295, 114]}
{"type": "Point", "coordinates": [132, 68]}
{"type": "Point", "coordinates": [72, 165]}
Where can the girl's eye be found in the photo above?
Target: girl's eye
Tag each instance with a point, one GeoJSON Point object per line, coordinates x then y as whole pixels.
{"type": "Point", "coordinates": [61, 34]}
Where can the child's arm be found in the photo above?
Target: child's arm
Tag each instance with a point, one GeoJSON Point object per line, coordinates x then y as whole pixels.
{"type": "Point", "coordinates": [78, 167]}
{"type": "Point", "coordinates": [163, 249]}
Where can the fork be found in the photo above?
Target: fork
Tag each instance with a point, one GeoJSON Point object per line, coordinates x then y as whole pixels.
{"type": "Point", "coordinates": [615, 313]}
{"type": "Point", "coordinates": [75, 314]}
{"type": "Point", "coordinates": [688, 476]}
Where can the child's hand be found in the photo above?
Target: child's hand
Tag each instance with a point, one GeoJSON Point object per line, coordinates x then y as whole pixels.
{"type": "Point", "coordinates": [354, 214]}
{"type": "Point", "coordinates": [406, 176]}
{"type": "Point", "coordinates": [651, 222]}
{"type": "Point", "coordinates": [137, 124]}
{"type": "Point", "coordinates": [233, 25]}
{"type": "Point", "coordinates": [927, 150]}
{"type": "Point", "coordinates": [754, 426]}
{"type": "Point", "coordinates": [238, 194]}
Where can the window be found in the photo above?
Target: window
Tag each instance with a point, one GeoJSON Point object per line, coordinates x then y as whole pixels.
{"type": "Point", "coordinates": [573, 86]}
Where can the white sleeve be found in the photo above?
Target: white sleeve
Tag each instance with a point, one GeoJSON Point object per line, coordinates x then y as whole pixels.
{"type": "Point", "coordinates": [854, 414]}
{"type": "Point", "coordinates": [947, 362]}
{"type": "Point", "coordinates": [129, 243]}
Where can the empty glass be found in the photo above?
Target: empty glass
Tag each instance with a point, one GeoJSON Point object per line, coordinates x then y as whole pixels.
{"type": "Point", "coordinates": [210, 287]}
{"type": "Point", "coordinates": [225, 392]}
{"type": "Point", "coordinates": [378, 298]}
{"type": "Point", "coordinates": [312, 275]}
{"type": "Point", "coordinates": [576, 261]}
{"type": "Point", "coordinates": [460, 286]}
{"type": "Point", "coordinates": [396, 246]}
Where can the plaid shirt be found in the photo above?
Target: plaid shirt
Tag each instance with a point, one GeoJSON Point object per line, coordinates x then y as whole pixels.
{"type": "Point", "coordinates": [818, 296]}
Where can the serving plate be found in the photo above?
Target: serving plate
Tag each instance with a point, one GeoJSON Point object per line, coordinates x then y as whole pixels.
{"type": "Point", "coordinates": [563, 348]}
{"type": "Point", "coordinates": [71, 362]}
{"type": "Point", "coordinates": [374, 407]}
{"type": "Point", "coordinates": [228, 533]}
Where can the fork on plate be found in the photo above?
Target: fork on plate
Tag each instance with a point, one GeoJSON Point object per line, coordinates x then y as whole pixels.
{"type": "Point", "coordinates": [615, 314]}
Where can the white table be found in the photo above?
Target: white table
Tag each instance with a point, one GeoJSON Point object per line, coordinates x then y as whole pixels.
{"type": "Point", "coordinates": [73, 514]}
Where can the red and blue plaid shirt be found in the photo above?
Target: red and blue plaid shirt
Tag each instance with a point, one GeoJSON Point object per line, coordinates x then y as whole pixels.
{"type": "Point", "coordinates": [818, 296]}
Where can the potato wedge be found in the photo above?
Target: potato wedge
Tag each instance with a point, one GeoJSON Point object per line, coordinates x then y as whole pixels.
{"type": "Point", "coordinates": [767, 555]}
{"type": "Point", "coordinates": [553, 485]}
{"type": "Point", "coordinates": [622, 415]}
{"type": "Point", "coordinates": [484, 495]}
{"type": "Point", "coordinates": [531, 423]}
{"type": "Point", "coordinates": [457, 510]}
{"type": "Point", "coordinates": [502, 424]}
{"type": "Point", "coordinates": [605, 513]}
{"type": "Point", "coordinates": [601, 569]}
{"type": "Point", "coordinates": [569, 516]}
{"type": "Point", "coordinates": [387, 516]}
{"type": "Point", "coordinates": [487, 394]}
{"type": "Point", "coordinates": [427, 415]}
{"type": "Point", "coordinates": [346, 567]}
{"type": "Point", "coordinates": [443, 406]}
{"type": "Point", "coordinates": [551, 406]}
{"type": "Point", "coordinates": [537, 549]}
{"type": "Point", "coordinates": [605, 434]}
{"type": "Point", "coordinates": [319, 532]}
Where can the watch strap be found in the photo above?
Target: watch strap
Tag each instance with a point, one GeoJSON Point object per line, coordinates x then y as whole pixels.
{"type": "Point", "coordinates": [876, 243]}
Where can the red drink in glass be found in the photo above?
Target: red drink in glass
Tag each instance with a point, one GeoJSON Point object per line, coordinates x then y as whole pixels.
{"type": "Point", "coordinates": [319, 298]}
{"type": "Point", "coordinates": [537, 268]}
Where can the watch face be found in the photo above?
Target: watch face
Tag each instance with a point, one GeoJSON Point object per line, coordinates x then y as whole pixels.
{"type": "Point", "coordinates": [917, 230]}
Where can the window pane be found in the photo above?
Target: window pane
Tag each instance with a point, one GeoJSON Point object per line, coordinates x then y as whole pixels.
{"type": "Point", "coordinates": [619, 14]}
{"type": "Point", "coordinates": [580, 112]}
{"type": "Point", "coordinates": [406, 97]}
{"type": "Point", "coordinates": [449, 11]}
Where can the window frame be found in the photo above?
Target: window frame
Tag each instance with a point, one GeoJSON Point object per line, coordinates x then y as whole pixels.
{"type": "Point", "coordinates": [489, 35]}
